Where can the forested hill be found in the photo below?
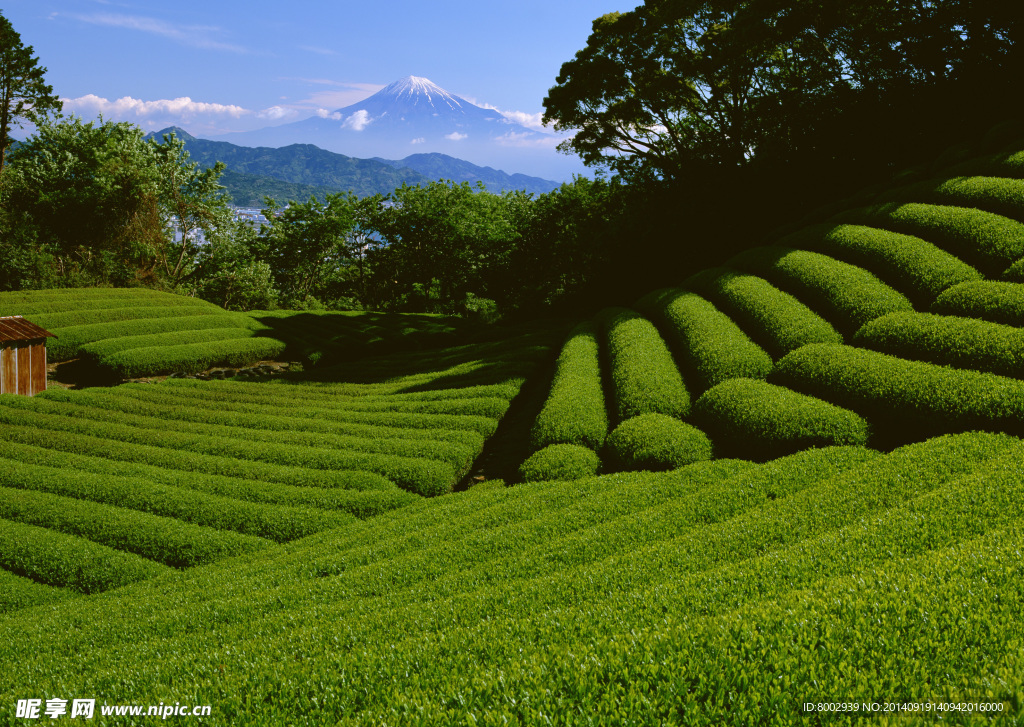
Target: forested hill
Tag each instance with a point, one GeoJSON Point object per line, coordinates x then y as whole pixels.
{"type": "Point", "coordinates": [300, 170]}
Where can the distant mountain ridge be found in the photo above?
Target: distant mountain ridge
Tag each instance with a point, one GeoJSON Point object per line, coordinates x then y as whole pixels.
{"type": "Point", "coordinates": [414, 115]}
{"type": "Point", "coordinates": [300, 170]}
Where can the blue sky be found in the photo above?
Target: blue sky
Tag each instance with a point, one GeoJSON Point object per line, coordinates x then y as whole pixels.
{"type": "Point", "coordinates": [224, 65]}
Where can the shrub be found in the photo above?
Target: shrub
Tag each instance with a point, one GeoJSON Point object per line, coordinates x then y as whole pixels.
{"type": "Point", "coordinates": [574, 412]}
{"type": "Point", "coordinates": [57, 559]}
{"type": "Point", "coordinates": [756, 420]}
{"type": "Point", "coordinates": [914, 267]}
{"type": "Point", "coordinates": [984, 240]}
{"type": "Point", "coordinates": [709, 347]}
{"type": "Point", "coordinates": [1015, 273]}
{"type": "Point", "coordinates": [560, 462]}
{"type": "Point", "coordinates": [774, 319]}
{"type": "Point", "coordinates": [995, 301]}
{"type": "Point", "coordinates": [965, 343]}
{"type": "Point", "coordinates": [192, 357]}
{"type": "Point", "coordinates": [644, 376]}
{"type": "Point", "coordinates": [17, 592]}
{"type": "Point", "coordinates": [656, 442]}
{"type": "Point", "coordinates": [100, 350]}
{"type": "Point", "coordinates": [126, 312]}
{"type": "Point", "coordinates": [904, 400]}
{"type": "Point", "coordinates": [998, 195]}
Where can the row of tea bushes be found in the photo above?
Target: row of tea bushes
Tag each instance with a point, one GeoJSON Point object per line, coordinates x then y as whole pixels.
{"type": "Point", "coordinates": [574, 412]}
{"type": "Point", "coordinates": [57, 559]}
{"type": "Point", "coordinates": [989, 300]}
{"type": "Point", "coordinates": [706, 343]}
{"type": "Point", "coordinates": [904, 400]}
{"type": "Point", "coordinates": [844, 294]}
{"type": "Point", "coordinates": [646, 597]}
{"type": "Point", "coordinates": [162, 539]}
{"type": "Point", "coordinates": [362, 502]}
{"type": "Point", "coordinates": [235, 351]}
{"type": "Point", "coordinates": [644, 378]}
{"type": "Point", "coordinates": [776, 320]}
{"type": "Point", "coordinates": [914, 267]}
{"type": "Point", "coordinates": [760, 421]}
{"type": "Point", "coordinates": [276, 523]}
{"type": "Point", "coordinates": [18, 592]}
{"type": "Point", "coordinates": [963, 343]}
{"type": "Point", "coordinates": [999, 195]}
{"type": "Point", "coordinates": [987, 241]}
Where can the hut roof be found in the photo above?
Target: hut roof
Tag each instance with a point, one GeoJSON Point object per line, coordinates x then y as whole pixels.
{"type": "Point", "coordinates": [16, 328]}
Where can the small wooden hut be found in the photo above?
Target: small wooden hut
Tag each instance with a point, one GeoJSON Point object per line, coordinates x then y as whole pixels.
{"type": "Point", "coordinates": [22, 356]}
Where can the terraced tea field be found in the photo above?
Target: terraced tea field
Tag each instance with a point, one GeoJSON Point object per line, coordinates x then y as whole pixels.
{"type": "Point", "coordinates": [794, 479]}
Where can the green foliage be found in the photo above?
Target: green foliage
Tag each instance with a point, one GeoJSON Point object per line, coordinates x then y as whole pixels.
{"type": "Point", "coordinates": [846, 295]}
{"type": "Point", "coordinates": [100, 350]}
{"type": "Point", "coordinates": [755, 420]}
{"type": "Point", "coordinates": [560, 462]}
{"type": "Point", "coordinates": [165, 540]}
{"type": "Point", "coordinates": [904, 400]}
{"type": "Point", "coordinates": [574, 412]}
{"type": "Point", "coordinates": [191, 357]}
{"type": "Point", "coordinates": [776, 320]}
{"type": "Point", "coordinates": [914, 267]}
{"type": "Point", "coordinates": [1015, 273]}
{"type": "Point", "coordinates": [655, 442]}
{"type": "Point", "coordinates": [644, 377]}
{"type": "Point", "coordinates": [17, 592]}
{"type": "Point", "coordinates": [56, 559]}
{"type": "Point", "coordinates": [277, 523]}
{"type": "Point", "coordinates": [984, 240]}
{"type": "Point", "coordinates": [24, 94]}
{"type": "Point", "coordinates": [963, 343]}
{"type": "Point", "coordinates": [709, 347]}
{"type": "Point", "coordinates": [998, 195]}
{"type": "Point", "coordinates": [989, 300]}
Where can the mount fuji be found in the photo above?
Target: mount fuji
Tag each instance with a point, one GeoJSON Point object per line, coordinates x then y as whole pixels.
{"type": "Point", "coordinates": [415, 116]}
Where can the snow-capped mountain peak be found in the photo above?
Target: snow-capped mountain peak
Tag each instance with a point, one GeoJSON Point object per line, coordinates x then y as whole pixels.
{"type": "Point", "coordinates": [413, 93]}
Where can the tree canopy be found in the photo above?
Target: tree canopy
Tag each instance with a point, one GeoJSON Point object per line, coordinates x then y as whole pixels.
{"type": "Point", "coordinates": [678, 84]}
{"type": "Point", "coordinates": [24, 94]}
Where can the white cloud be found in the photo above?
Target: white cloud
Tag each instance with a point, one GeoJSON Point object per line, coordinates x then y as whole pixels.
{"type": "Point", "coordinates": [276, 113]}
{"type": "Point", "coordinates": [455, 136]}
{"type": "Point", "coordinates": [526, 139]}
{"type": "Point", "coordinates": [198, 36]}
{"type": "Point", "coordinates": [530, 121]}
{"type": "Point", "coordinates": [325, 114]}
{"type": "Point", "coordinates": [128, 106]}
{"type": "Point", "coordinates": [357, 121]}
{"type": "Point", "coordinates": [418, 140]}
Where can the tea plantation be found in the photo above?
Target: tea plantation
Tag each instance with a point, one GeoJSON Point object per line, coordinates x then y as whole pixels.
{"type": "Point", "coordinates": [792, 480]}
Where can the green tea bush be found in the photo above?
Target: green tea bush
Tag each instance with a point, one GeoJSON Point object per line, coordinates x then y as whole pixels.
{"type": "Point", "coordinates": [916, 268]}
{"type": "Point", "coordinates": [161, 539]}
{"type": "Point", "coordinates": [709, 347]}
{"type": "Point", "coordinates": [644, 376]}
{"type": "Point", "coordinates": [362, 503]}
{"type": "Point", "coordinates": [846, 295]}
{"type": "Point", "coordinates": [990, 300]}
{"type": "Point", "coordinates": [998, 195]}
{"type": "Point", "coordinates": [126, 404]}
{"type": "Point", "coordinates": [1015, 273]}
{"type": "Point", "coordinates": [192, 357]}
{"type": "Point", "coordinates": [1010, 165]}
{"type": "Point", "coordinates": [774, 319]}
{"type": "Point", "coordinates": [17, 592]}
{"type": "Point", "coordinates": [98, 351]}
{"type": "Point", "coordinates": [560, 462]}
{"type": "Point", "coordinates": [756, 420]}
{"type": "Point", "coordinates": [574, 412]}
{"type": "Point", "coordinates": [655, 442]}
{"type": "Point", "coordinates": [963, 343]}
{"type": "Point", "coordinates": [67, 435]}
{"type": "Point", "coordinates": [67, 300]}
{"type": "Point", "coordinates": [56, 559]}
{"type": "Point", "coordinates": [987, 241]}
{"type": "Point", "coordinates": [279, 524]}
{"type": "Point", "coordinates": [52, 321]}
{"type": "Point", "coordinates": [904, 400]}
{"type": "Point", "coordinates": [71, 339]}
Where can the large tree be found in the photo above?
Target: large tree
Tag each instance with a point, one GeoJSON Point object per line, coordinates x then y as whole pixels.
{"type": "Point", "coordinates": [24, 95]}
{"type": "Point", "coordinates": [676, 85]}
